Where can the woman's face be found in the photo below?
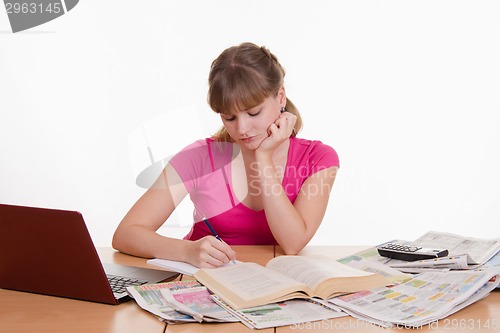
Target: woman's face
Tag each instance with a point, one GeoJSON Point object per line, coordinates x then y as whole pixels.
{"type": "Point", "coordinates": [249, 127]}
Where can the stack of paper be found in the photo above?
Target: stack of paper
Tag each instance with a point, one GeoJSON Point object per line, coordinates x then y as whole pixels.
{"type": "Point", "coordinates": [478, 250]}
{"type": "Point", "coordinates": [464, 253]}
{"type": "Point", "coordinates": [284, 313]}
{"type": "Point", "coordinates": [174, 266]}
{"type": "Point", "coordinates": [188, 301]}
{"type": "Point", "coordinates": [179, 302]}
{"type": "Point", "coordinates": [424, 299]}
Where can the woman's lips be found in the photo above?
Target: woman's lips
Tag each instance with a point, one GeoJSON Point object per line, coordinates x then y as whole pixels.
{"type": "Point", "coordinates": [248, 139]}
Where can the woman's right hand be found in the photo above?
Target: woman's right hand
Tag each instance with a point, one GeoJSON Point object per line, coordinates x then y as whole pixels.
{"type": "Point", "coordinates": [209, 252]}
{"type": "Point", "coordinates": [279, 131]}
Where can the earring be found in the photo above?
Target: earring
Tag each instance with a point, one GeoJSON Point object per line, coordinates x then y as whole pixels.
{"type": "Point", "coordinates": [282, 109]}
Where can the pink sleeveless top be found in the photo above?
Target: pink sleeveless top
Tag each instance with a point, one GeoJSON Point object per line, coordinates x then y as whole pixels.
{"type": "Point", "coordinates": [205, 169]}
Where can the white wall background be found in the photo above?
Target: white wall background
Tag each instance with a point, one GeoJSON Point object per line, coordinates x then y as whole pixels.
{"type": "Point", "coordinates": [407, 92]}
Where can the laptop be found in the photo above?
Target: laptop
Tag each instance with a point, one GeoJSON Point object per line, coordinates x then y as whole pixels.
{"type": "Point", "coordinates": [49, 251]}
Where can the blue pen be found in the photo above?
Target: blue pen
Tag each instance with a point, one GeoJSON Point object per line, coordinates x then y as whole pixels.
{"type": "Point", "coordinates": [211, 229]}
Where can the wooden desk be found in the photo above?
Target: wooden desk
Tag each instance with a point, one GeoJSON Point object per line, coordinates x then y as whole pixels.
{"type": "Point", "coordinates": [24, 312]}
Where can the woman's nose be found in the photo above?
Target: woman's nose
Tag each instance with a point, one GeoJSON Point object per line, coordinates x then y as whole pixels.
{"type": "Point", "coordinates": [243, 125]}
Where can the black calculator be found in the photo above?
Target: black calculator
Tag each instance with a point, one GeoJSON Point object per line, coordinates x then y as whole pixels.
{"type": "Point", "coordinates": [409, 252]}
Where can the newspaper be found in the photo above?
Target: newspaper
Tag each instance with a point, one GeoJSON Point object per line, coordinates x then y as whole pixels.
{"type": "Point", "coordinates": [475, 251]}
{"type": "Point", "coordinates": [443, 264]}
{"type": "Point", "coordinates": [478, 250]}
{"type": "Point", "coordinates": [373, 266]}
{"type": "Point", "coordinates": [373, 261]}
{"type": "Point", "coordinates": [493, 263]}
{"type": "Point", "coordinates": [290, 312]}
{"type": "Point", "coordinates": [424, 299]}
{"type": "Point", "coordinates": [179, 302]}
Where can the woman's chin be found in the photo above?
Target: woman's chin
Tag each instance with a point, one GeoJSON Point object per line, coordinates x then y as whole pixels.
{"type": "Point", "coordinates": [252, 144]}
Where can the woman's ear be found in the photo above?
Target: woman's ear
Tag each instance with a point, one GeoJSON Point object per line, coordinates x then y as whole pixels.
{"type": "Point", "coordinates": [282, 96]}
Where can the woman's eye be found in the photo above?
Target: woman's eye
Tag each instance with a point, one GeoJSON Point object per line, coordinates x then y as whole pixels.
{"type": "Point", "coordinates": [229, 118]}
{"type": "Point", "coordinates": [254, 114]}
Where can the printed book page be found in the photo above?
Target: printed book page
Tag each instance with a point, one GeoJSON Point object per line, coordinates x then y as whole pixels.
{"type": "Point", "coordinates": [285, 277]}
{"type": "Point", "coordinates": [249, 284]}
{"type": "Point", "coordinates": [312, 270]}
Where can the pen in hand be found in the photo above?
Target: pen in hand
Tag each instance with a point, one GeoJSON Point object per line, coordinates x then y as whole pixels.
{"type": "Point", "coordinates": [212, 230]}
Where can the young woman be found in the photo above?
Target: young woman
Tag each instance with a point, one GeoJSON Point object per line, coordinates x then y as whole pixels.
{"type": "Point", "coordinates": [254, 180]}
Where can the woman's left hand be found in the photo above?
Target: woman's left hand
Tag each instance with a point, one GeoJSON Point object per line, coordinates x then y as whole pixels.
{"type": "Point", "coordinates": [278, 132]}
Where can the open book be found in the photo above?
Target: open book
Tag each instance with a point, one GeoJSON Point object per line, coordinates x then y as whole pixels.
{"type": "Point", "coordinates": [245, 285]}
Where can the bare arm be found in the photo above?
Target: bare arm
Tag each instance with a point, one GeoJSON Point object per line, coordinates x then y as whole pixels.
{"type": "Point", "coordinates": [136, 234]}
{"type": "Point", "coordinates": [293, 225]}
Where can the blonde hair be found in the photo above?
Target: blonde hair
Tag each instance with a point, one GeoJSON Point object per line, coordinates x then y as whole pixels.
{"type": "Point", "coordinates": [241, 78]}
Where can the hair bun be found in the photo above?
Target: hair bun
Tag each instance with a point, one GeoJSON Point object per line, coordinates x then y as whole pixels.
{"type": "Point", "coordinates": [271, 56]}
{"type": "Point", "coordinates": [268, 53]}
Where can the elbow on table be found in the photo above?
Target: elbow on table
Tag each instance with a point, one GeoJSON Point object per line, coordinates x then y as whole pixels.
{"type": "Point", "coordinates": [292, 249]}
{"type": "Point", "coordinates": [117, 242]}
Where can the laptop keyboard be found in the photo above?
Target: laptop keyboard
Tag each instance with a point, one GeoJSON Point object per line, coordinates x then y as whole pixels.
{"type": "Point", "coordinates": [119, 283]}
